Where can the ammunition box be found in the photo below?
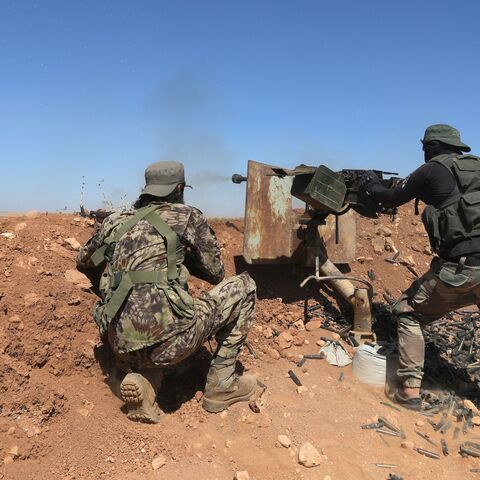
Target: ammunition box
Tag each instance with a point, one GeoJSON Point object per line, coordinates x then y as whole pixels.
{"type": "Point", "coordinates": [325, 190]}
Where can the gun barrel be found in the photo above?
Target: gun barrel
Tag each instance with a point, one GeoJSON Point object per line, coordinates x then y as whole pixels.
{"type": "Point", "coordinates": [237, 178]}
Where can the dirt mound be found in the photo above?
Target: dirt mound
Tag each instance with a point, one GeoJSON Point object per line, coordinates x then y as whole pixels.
{"type": "Point", "coordinates": [60, 419]}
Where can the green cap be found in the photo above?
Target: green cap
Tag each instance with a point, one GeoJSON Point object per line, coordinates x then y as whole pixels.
{"type": "Point", "coordinates": [446, 134]}
{"type": "Point", "coordinates": [161, 178]}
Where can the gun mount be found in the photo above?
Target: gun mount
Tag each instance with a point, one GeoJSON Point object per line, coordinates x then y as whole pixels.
{"type": "Point", "coordinates": [316, 236]}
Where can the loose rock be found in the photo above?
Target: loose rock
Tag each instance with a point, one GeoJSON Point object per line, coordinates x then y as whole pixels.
{"type": "Point", "coordinates": [284, 441]}
{"type": "Point", "coordinates": [267, 332]}
{"type": "Point", "coordinates": [158, 462]}
{"type": "Point", "coordinates": [285, 340]}
{"type": "Point", "coordinates": [272, 353]}
{"type": "Point", "coordinates": [309, 456]}
{"type": "Point", "coordinates": [314, 324]}
{"type": "Point", "coordinates": [78, 279]}
{"type": "Point", "coordinates": [378, 245]}
{"type": "Point", "coordinates": [74, 243]}
{"type": "Point", "coordinates": [243, 475]}
{"type": "Point", "coordinates": [408, 444]}
{"type": "Point", "coordinates": [20, 226]}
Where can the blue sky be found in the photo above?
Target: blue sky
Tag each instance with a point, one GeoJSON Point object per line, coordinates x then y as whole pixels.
{"type": "Point", "coordinates": [103, 88]}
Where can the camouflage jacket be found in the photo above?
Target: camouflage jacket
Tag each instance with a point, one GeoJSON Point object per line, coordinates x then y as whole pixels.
{"type": "Point", "coordinates": [154, 313]}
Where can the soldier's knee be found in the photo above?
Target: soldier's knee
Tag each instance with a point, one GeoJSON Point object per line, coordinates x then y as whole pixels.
{"type": "Point", "coordinates": [401, 307]}
{"type": "Point", "coordinates": [248, 282]}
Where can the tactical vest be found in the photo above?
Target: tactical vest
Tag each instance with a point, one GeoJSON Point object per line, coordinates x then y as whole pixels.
{"type": "Point", "coordinates": [116, 286]}
{"type": "Point", "coordinates": [458, 217]}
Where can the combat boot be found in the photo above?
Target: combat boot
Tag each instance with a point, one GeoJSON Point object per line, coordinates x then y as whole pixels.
{"type": "Point", "coordinates": [224, 387]}
{"type": "Point", "coordinates": [139, 392]}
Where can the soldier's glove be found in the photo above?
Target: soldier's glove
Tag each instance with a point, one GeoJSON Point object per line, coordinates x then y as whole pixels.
{"type": "Point", "coordinates": [369, 180]}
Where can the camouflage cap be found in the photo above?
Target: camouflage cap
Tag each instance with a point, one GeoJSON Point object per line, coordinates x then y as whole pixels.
{"type": "Point", "coordinates": [446, 134]}
{"type": "Point", "coordinates": [161, 178]}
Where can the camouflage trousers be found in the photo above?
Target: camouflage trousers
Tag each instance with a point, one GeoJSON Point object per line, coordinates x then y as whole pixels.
{"type": "Point", "coordinates": [225, 312]}
{"type": "Point", "coordinates": [446, 286]}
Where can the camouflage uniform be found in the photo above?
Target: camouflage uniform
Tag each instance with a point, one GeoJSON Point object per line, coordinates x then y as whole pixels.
{"type": "Point", "coordinates": [162, 325]}
{"type": "Point", "coordinates": [442, 289]}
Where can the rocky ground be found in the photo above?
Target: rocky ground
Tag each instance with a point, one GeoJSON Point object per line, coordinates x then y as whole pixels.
{"type": "Point", "coordinates": [60, 418]}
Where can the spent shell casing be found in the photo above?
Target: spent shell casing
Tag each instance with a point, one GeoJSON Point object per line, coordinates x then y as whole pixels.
{"type": "Point", "coordinates": [387, 423]}
{"type": "Point", "coordinates": [386, 404]}
{"type": "Point", "coordinates": [387, 432]}
{"type": "Point", "coordinates": [444, 447]}
{"type": "Point", "coordinates": [371, 426]}
{"type": "Point", "coordinates": [295, 379]}
{"type": "Point", "coordinates": [427, 453]}
{"type": "Point", "coordinates": [426, 437]}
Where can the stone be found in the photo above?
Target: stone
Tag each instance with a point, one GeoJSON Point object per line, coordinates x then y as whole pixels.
{"type": "Point", "coordinates": [408, 444]}
{"type": "Point", "coordinates": [289, 355]}
{"type": "Point", "coordinates": [158, 462]}
{"type": "Point", "coordinates": [14, 451]}
{"type": "Point", "coordinates": [267, 332]}
{"type": "Point", "coordinates": [476, 421]}
{"type": "Point", "coordinates": [327, 477]}
{"type": "Point", "coordinates": [8, 235]}
{"type": "Point", "coordinates": [73, 243]}
{"type": "Point", "coordinates": [31, 299]}
{"type": "Point", "coordinates": [284, 441]}
{"type": "Point", "coordinates": [11, 431]}
{"type": "Point", "coordinates": [299, 325]}
{"type": "Point", "coordinates": [78, 279]}
{"type": "Point", "coordinates": [314, 324]}
{"type": "Point", "coordinates": [74, 301]}
{"type": "Point", "coordinates": [299, 340]}
{"type": "Point", "coordinates": [242, 475]}
{"type": "Point", "coordinates": [365, 259]}
{"type": "Point", "coordinates": [198, 395]}
{"type": "Point", "coordinates": [272, 353]}
{"type": "Point", "coordinates": [321, 343]}
{"type": "Point", "coordinates": [302, 389]}
{"type": "Point", "coordinates": [384, 231]}
{"type": "Point", "coordinates": [378, 245]}
{"type": "Point", "coordinates": [20, 226]}
{"type": "Point", "coordinates": [416, 248]}
{"type": "Point", "coordinates": [8, 460]}
{"type": "Point", "coordinates": [309, 456]}
{"type": "Point", "coordinates": [468, 404]}
{"type": "Point", "coordinates": [284, 340]}
{"type": "Point", "coordinates": [419, 423]}
{"type": "Point", "coordinates": [59, 250]}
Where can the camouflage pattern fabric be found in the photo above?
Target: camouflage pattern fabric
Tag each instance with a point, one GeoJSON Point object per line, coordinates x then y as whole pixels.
{"type": "Point", "coordinates": [225, 312]}
{"type": "Point", "coordinates": [444, 288]}
{"type": "Point", "coordinates": [153, 314]}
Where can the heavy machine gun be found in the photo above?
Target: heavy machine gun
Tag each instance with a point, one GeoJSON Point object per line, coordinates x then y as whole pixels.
{"type": "Point", "coordinates": [319, 235]}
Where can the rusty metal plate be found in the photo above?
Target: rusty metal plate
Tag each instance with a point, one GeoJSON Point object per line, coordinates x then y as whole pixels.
{"type": "Point", "coordinates": [268, 216]}
{"type": "Point", "coordinates": [340, 248]}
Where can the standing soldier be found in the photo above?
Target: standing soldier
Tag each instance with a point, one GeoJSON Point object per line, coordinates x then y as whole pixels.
{"type": "Point", "coordinates": [449, 185]}
{"type": "Point", "coordinates": [146, 313]}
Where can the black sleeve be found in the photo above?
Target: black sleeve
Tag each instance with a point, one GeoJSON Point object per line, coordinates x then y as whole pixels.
{"type": "Point", "coordinates": [412, 187]}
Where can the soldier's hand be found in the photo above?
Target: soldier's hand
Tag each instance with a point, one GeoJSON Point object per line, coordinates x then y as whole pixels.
{"type": "Point", "coordinates": [368, 180]}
